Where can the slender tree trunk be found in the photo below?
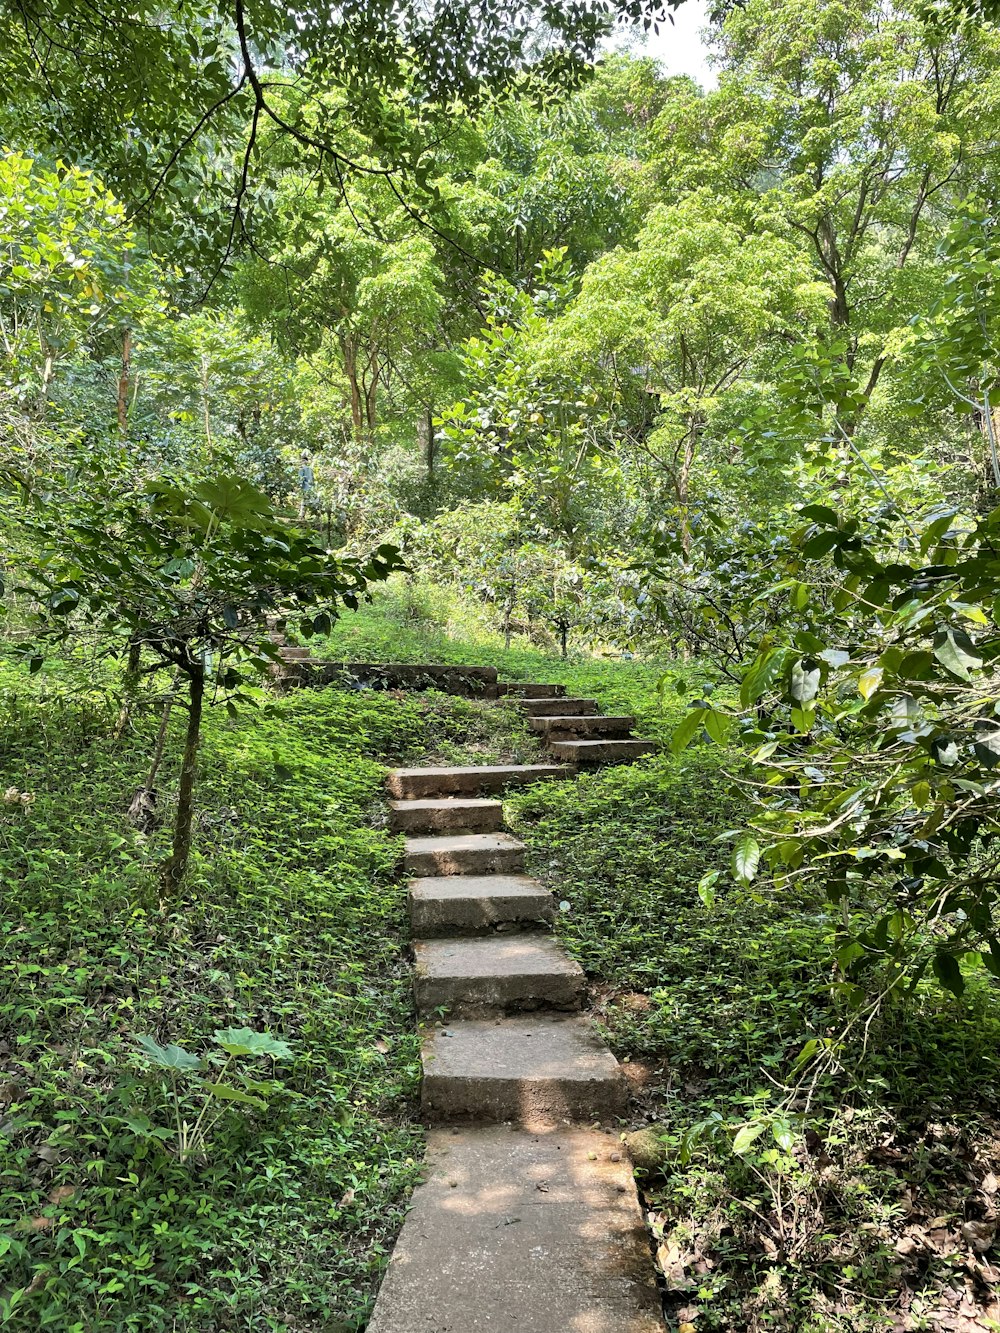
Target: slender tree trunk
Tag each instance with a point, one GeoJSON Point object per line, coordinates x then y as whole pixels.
{"type": "Point", "coordinates": [431, 443]}
{"type": "Point", "coordinates": [123, 382]}
{"type": "Point", "coordinates": [130, 687]}
{"type": "Point", "coordinates": [175, 866]}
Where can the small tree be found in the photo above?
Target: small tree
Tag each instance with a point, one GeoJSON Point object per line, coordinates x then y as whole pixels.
{"type": "Point", "coordinates": [185, 575]}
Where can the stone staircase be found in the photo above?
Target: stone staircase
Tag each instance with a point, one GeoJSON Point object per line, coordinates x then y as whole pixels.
{"type": "Point", "coordinates": [573, 730]}
{"type": "Point", "coordinates": [527, 1220]}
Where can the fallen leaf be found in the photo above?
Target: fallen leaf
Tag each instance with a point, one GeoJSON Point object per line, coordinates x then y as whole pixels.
{"type": "Point", "coordinates": [61, 1193]}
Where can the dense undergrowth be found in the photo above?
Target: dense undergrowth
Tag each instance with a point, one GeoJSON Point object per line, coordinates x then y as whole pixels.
{"type": "Point", "coordinates": [291, 922]}
{"type": "Point", "coordinates": [879, 1216]}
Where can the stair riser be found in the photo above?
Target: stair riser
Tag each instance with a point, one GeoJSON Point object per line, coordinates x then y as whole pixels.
{"type": "Point", "coordinates": [419, 786]}
{"type": "Point", "coordinates": [614, 752]}
{"type": "Point", "coordinates": [532, 691]}
{"type": "Point", "coordinates": [521, 1101]}
{"type": "Point", "coordinates": [469, 997]}
{"type": "Point", "coordinates": [430, 919]}
{"type": "Point", "coordinates": [582, 728]}
{"type": "Point", "coordinates": [465, 862]}
{"type": "Point", "coordinates": [485, 819]}
{"type": "Point", "coordinates": [555, 707]}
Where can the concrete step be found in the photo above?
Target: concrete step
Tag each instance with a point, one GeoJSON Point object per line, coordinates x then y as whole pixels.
{"type": "Point", "coordinates": [464, 854]}
{"type": "Point", "coordinates": [591, 753]}
{"type": "Point", "coordinates": [520, 1232]}
{"type": "Point", "coordinates": [292, 653]}
{"type": "Point", "coordinates": [534, 1070]}
{"type": "Point", "coordinates": [472, 977]}
{"type": "Point", "coordinates": [584, 727]}
{"type": "Point", "coordinates": [559, 707]}
{"type": "Point", "coordinates": [449, 815]}
{"type": "Point", "coordinates": [532, 691]}
{"type": "Point", "coordinates": [413, 783]}
{"type": "Point", "coordinates": [476, 904]}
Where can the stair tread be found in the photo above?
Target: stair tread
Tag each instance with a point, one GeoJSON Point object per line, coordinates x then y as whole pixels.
{"type": "Point", "coordinates": [469, 780]}
{"type": "Point", "coordinates": [547, 1046]}
{"type": "Point", "coordinates": [578, 1257]}
{"type": "Point", "coordinates": [434, 887]}
{"type": "Point", "coordinates": [432, 770]}
{"type": "Point", "coordinates": [463, 842]}
{"type": "Point", "coordinates": [507, 956]}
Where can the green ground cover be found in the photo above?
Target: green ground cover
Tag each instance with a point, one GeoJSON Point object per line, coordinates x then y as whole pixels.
{"type": "Point", "coordinates": [292, 922]}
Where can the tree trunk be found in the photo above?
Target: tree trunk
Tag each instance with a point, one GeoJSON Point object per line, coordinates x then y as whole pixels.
{"type": "Point", "coordinates": [175, 866]}
{"type": "Point", "coordinates": [430, 441]}
{"type": "Point", "coordinates": [123, 382]}
{"type": "Point", "coordinates": [130, 686]}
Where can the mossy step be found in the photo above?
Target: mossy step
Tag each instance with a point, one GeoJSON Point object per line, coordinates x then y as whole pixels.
{"type": "Point", "coordinates": [531, 691]}
{"type": "Point", "coordinates": [560, 707]}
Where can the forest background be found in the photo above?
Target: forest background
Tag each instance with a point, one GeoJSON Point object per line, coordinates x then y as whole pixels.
{"type": "Point", "coordinates": [613, 365]}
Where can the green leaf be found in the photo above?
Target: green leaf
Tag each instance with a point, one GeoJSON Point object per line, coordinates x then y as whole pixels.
{"type": "Point", "coordinates": [687, 730]}
{"type": "Point", "coordinates": [747, 1136]}
{"type": "Point", "coordinates": [957, 653]}
{"type": "Point", "coordinates": [244, 1041]}
{"type": "Point", "coordinates": [168, 1057]}
{"type": "Point", "coordinates": [706, 889]}
{"type": "Point", "coordinates": [761, 676]}
{"type": "Point", "coordinates": [718, 725]}
{"type": "Point", "coordinates": [746, 858]}
{"type": "Point", "coordinates": [226, 1093]}
{"type": "Point", "coordinates": [948, 972]}
{"type": "Point", "coordinates": [781, 1131]}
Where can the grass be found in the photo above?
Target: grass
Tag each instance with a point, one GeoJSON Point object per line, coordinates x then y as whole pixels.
{"type": "Point", "coordinates": [292, 922]}
{"type": "Point", "coordinates": [853, 1221]}
{"type": "Point", "coordinates": [876, 1212]}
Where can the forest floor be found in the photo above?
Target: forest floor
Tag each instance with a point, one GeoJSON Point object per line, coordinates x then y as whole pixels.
{"type": "Point", "coordinates": [293, 922]}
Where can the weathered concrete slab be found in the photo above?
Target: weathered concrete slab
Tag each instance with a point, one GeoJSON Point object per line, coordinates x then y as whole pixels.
{"type": "Point", "coordinates": [476, 904]}
{"type": "Point", "coordinates": [531, 691]}
{"type": "Point", "coordinates": [582, 726]}
{"type": "Point", "coordinates": [559, 707]}
{"type": "Point", "coordinates": [589, 753]}
{"type": "Point", "coordinates": [464, 854]}
{"type": "Point", "coordinates": [451, 814]}
{"type": "Point", "coordinates": [534, 1070]}
{"type": "Point", "coordinates": [407, 783]}
{"type": "Point", "coordinates": [469, 977]}
{"type": "Point", "coordinates": [518, 1232]}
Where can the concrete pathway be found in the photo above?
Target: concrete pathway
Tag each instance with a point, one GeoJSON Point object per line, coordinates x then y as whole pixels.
{"type": "Point", "coordinates": [528, 1219]}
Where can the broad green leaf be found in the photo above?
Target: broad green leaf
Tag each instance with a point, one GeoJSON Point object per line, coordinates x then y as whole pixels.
{"type": "Point", "coordinates": [226, 1093]}
{"type": "Point", "coordinates": [746, 858]}
{"type": "Point", "coordinates": [718, 725]}
{"type": "Point", "coordinates": [168, 1057]}
{"type": "Point", "coordinates": [761, 676]}
{"type": "Point", "coordinates": [244, 1041]}
{"type": "Point", "coordinates": [687, 730]}
{"type": "Point", "coordinates": [748, 1136]}
{"type": "Point", "coordinates": [781, 1131]}
{"type": "Point", "coordinates": [957, 654]}
{"type": "Point", "coordinates": [948, 972]}
{"type": "Point", "coordinates": [706, 888]}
